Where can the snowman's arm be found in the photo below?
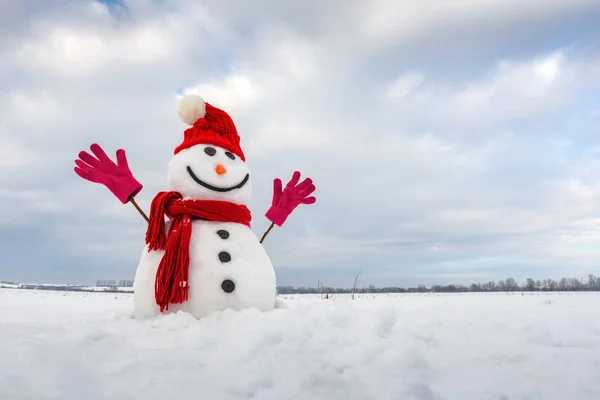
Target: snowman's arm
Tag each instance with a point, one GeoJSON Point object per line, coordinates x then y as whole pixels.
{"type": "Point", "coordinates": [267, 232]}
{"type": "Point", "coordinates": [135, 204]}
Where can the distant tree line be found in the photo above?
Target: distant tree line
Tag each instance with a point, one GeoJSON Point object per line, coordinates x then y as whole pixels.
{"type": "Point", "coordinates": [506, 285]}
{"type": "Point", "coordinates": [63, 288]}
{"type": "Point", "coordinates": [113, 283]}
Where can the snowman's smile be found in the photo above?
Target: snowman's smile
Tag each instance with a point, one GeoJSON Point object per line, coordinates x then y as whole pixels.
{"type": "Point", "coordinates": [215, 188]}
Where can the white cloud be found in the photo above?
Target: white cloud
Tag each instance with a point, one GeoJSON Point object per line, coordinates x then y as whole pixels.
{"type": "Point", "coordinates": [35, 109]}
{"type": "Point", "coordinates": [230, 93]}
{"type": "Point", "coordinates": [515, 90]}
{"type": "Point", "coordinates": [13, 156]}
{"type": "Point", "coordinates": [299, 58]}
{"type": "Point", "coordinates": [23, 207]}
{"type": "Point", "coordinates": [83, 52]}
{"type": "Point", "coordinates": [405, 85]}
{"type": "Point", "coordinates": [387, 19]}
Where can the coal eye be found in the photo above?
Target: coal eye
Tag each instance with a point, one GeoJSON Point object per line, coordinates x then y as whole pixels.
{"type": "Point", "coordinates": [210, 151]}
{"type": "Point", "coordinates": [230, 155]}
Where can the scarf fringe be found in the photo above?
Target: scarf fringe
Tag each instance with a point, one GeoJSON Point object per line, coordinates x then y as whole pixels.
{"type": "Point", "coordinates": [171, 284]}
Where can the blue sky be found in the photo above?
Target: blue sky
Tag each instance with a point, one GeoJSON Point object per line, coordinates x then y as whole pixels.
{"type": "Point", "coordinates": [448, 144]}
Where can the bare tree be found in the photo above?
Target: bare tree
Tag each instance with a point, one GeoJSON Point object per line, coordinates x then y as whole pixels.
{"type": "Point", "coordinates": [501, 286]}
{"type": "Point", "coordinates": [592, 282]}
{"type": "Point", "coordinates": [563, 284]}
{"type": "Point", "coordinates": [530, 284]}
{"type": "Point", "coordinates": [324, 290]}
{"type": "Point", "coordinates": [539, 284]}
{"type": "Point", "coordinates": [356, 279]}
{"type": "Point", "coordinates": [511, 284]}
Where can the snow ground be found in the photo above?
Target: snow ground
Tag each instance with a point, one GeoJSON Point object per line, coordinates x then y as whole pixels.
{"type": "Point", "coordinates": [68, 345]}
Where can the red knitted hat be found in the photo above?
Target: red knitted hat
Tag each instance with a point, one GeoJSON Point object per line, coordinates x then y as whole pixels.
{"type": "Point", "coordinates": [209, 125]}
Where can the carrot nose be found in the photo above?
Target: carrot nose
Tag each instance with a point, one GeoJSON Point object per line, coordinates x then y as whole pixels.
{"type": "Point", "coordinates": [220, 169]}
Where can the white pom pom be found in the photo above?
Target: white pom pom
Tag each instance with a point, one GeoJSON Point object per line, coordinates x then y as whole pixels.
{"type": "Point", "coordinates": [191, 108]}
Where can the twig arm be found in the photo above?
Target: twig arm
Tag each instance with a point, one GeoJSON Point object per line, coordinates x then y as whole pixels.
{"type": "Point", "coordinates": [267, 232]}
{"type": "Point", "coordinates": [135, 204]}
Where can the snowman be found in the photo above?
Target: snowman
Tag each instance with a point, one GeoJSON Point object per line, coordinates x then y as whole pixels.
{"type": "Point", "coordinates": [205, 256]}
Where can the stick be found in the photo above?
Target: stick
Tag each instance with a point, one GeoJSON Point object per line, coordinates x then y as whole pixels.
{"type": "Point", "coordinates": [132, 200]}
{"type": "Point", "coordinates": [267, 232]}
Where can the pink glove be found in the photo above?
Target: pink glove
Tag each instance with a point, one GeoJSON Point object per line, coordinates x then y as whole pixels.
{"type": "Point", "coordinates": [284, 202]}
{"type": "Point", "coordinates": [116, 177]}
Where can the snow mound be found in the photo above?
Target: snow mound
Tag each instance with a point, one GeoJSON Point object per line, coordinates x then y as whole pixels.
{"type": "Point", "coordinates": [66, 345]}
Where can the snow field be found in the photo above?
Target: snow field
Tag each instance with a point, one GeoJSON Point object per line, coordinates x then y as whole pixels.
{"type": "Point", "coordinates": [69, 345]}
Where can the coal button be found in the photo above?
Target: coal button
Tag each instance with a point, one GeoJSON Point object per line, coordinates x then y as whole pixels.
{"type": "Point", "coordinates": [223, 234]}
{"type": "Point", "coordinates": [224, 256]}
{"type": "Point", "coordinates": [228, 286]}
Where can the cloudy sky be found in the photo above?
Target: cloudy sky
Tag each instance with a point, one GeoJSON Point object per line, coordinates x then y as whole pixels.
{"type": "Point", "coordinates": [448, 143]}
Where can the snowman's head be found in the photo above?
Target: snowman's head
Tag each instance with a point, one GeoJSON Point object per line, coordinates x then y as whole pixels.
{"type": "Point", "coordinates": [207, 172]}
{"type": "Point", "coordinates": [209, 164]}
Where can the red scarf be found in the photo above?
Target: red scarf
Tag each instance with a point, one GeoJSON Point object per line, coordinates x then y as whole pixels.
{"type": "Point", "coordinates": [171, 284]}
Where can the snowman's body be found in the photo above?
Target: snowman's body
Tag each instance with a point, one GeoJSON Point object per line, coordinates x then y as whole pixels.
{"type": "Point", "coordinates": [224, 257]}
{"type": "Point", "coordinates": [228, 267]}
